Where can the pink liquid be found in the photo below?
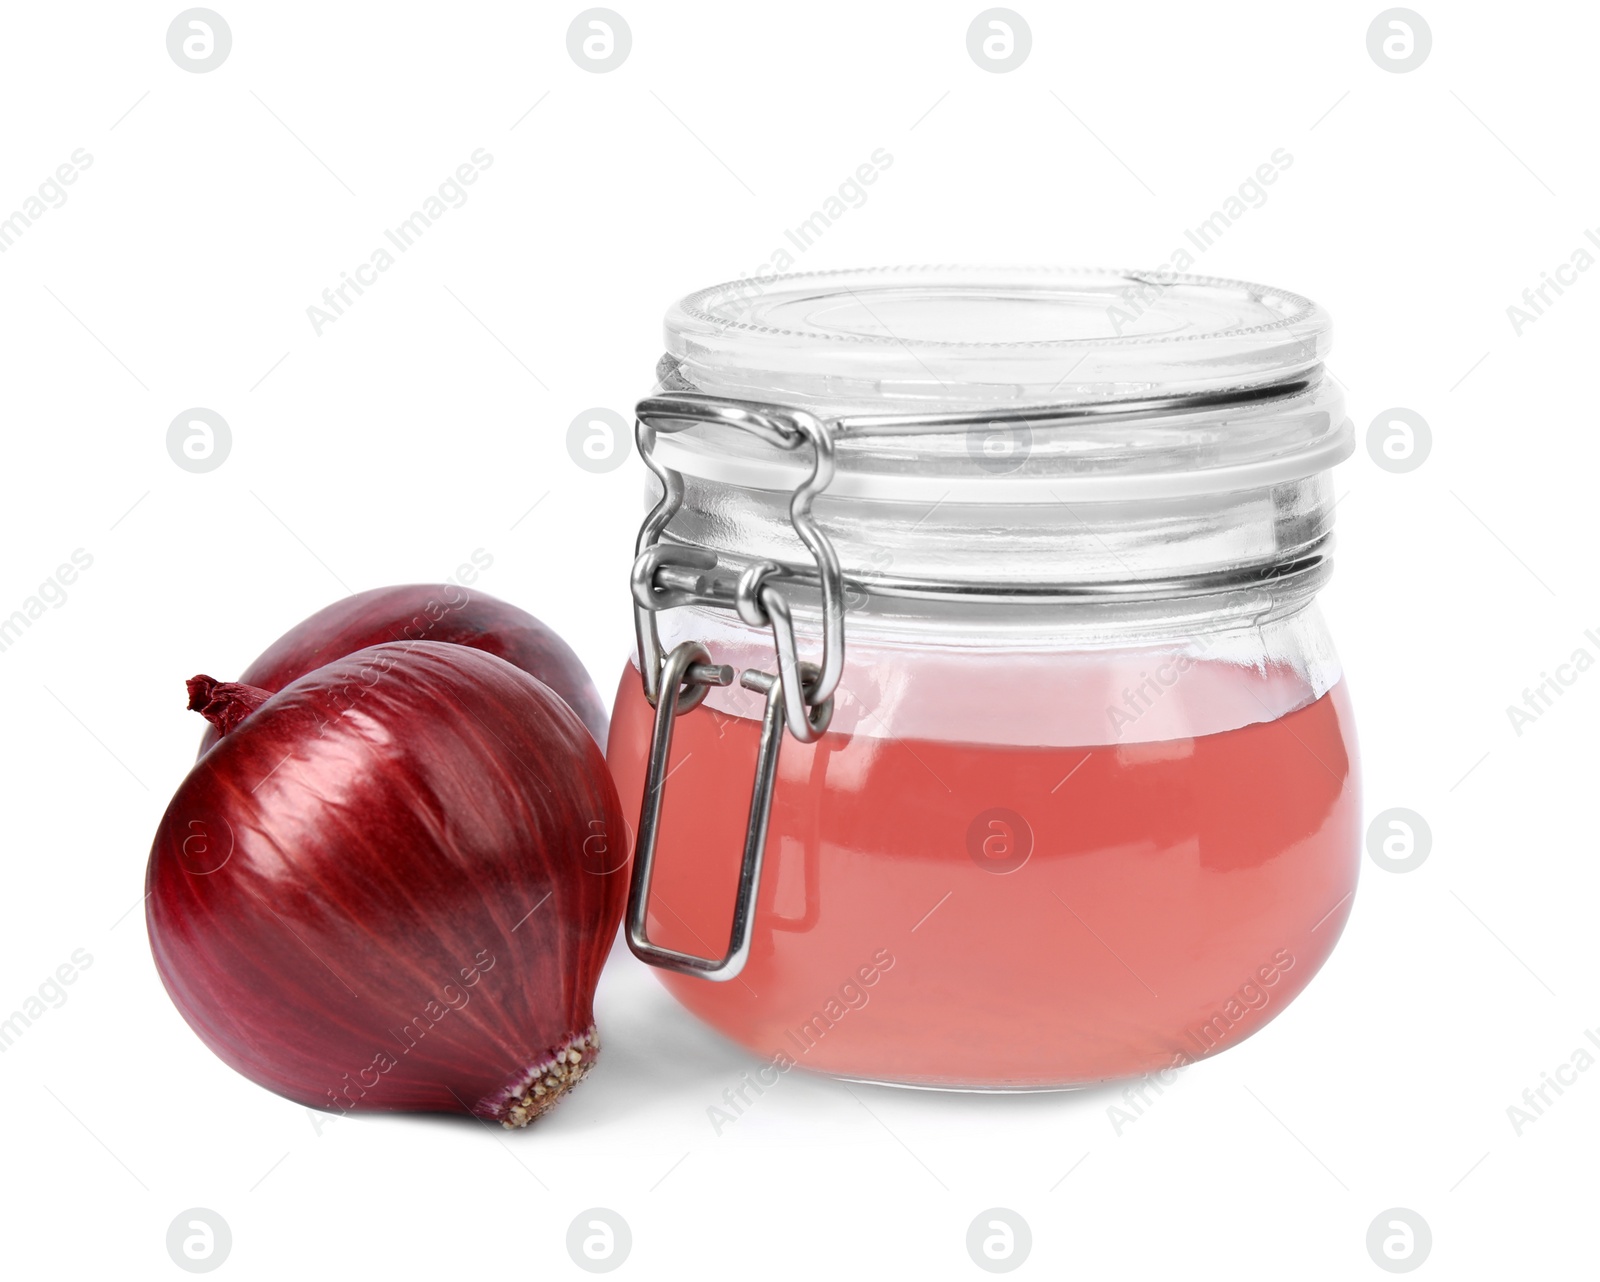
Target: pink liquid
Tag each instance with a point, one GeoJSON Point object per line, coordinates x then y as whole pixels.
{"type": "Point", "coordinates": [1129, 907]}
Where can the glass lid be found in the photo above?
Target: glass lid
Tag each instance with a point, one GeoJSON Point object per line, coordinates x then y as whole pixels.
{"type": "Point", "coordinates": [876, 339]}
{"type": "Point", "coordinates": [1011, 385]}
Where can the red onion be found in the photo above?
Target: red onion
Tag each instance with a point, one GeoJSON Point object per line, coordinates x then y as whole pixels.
{"type": "Point", "coordinates": [428, 612]}
{"type": "Point", "coordinates": [392, 885]}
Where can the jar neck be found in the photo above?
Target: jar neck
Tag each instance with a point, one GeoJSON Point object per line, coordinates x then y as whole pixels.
{"type": "Point", "coordinates": [998, 621]}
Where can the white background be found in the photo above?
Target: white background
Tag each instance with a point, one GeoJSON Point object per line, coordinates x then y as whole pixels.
{"type": "Point", "coordinates": [428, 420]}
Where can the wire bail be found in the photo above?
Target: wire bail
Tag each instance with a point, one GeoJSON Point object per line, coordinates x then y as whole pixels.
{"type": "Point", "coordinates": [799, 696]}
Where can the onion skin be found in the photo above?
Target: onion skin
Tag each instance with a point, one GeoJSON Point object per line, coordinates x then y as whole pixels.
{"type": "Point", "coordinates": [392, 887]}
{"type": "Point", "coordinates": [428, 612]}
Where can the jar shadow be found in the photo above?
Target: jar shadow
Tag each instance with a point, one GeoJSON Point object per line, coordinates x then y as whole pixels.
{"type": "Point", "coordinates": [996, 1103]}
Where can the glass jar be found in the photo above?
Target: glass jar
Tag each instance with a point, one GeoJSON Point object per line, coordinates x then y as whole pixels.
{"type": "Point", "coordinates": [1000, 743]}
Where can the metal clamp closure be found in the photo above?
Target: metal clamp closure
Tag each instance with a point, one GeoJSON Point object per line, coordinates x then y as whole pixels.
{"type": "Point", "coordinates": [799, 695]}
